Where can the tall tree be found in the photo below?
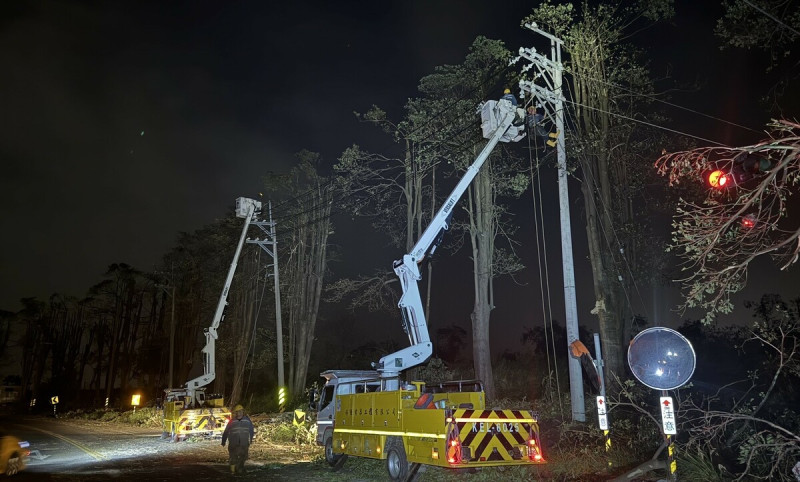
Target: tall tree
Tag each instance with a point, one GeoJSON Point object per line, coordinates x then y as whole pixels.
{"type": "Point", "coordinates": [65, 329]}
{"type": "Point", "coordinates": [305, 225]}
{"type": "Point", "coordinates": [245, 302]}
{"type": "Point", "coordinates": [771, 26]}
{"type": "Point", "coordinates": [35, 347]}
{"type": "Point", "coordinates": [458, 90]}
{"type": "Point", "coordinates": [604, 72]}
{"type": "Point", "coordinates": [198, 266]}
{"type": "Point", "coordinates": [6, 319]}
{"type": "Point", "coordinates": [397, 193]}
{"type": "Point", "coordinates": [119, 299]}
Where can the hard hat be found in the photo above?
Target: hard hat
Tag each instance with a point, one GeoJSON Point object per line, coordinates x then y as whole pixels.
{"type": "Point", "coordinates": [507, 91]}
{"type": "Point", "coordinates": [238, 408]}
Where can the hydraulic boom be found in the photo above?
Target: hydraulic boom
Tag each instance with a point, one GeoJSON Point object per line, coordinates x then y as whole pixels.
{"type": "Point", "coordinates": [245, 208]}
{"type": "Point", "coordinates": [497, 123]}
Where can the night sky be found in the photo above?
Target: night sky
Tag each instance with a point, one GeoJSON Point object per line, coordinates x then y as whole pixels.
{"type": "Point", "coordinates": [124, 123]}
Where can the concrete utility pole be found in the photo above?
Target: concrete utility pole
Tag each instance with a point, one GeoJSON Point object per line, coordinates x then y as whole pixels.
{"type": "Point", "coordinates": [269, 228]}
{"type": "Point", "coordinates": [550, 97]}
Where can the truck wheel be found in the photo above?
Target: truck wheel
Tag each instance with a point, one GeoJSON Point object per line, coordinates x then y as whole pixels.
{"type": "Point", "coordinates": [396, 460]}
{"type": "Point", "coordinates": [13, 465]}
{"type": "Point", "coordinates": [333, 459]}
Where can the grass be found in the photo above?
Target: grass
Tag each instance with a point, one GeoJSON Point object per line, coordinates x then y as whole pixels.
{"type": "Point", "coordinates": [143, 417]}
{"type": "Point", "coordinates": [574, 451]}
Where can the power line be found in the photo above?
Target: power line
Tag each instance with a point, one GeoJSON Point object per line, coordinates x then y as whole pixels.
{"type": "Point", "coordinates": [656, 99]}
{"type": "Point", "coordinates": [772, 17]}
{"type": "Point", "coordinates": [590, 175]}
{"type": "Point", "coordinates": [650, 124]}
{"type": "Point", "coordinates": [544, 278]}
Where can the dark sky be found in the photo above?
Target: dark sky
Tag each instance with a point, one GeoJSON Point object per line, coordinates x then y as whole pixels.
{"type": "Point", "coordinates": [124, 123]}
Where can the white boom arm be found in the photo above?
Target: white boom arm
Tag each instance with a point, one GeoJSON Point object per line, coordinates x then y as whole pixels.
{"type": "Point", "coordinates": [245, 208]}
{"type": "Point", "coordinates": [497, 123]}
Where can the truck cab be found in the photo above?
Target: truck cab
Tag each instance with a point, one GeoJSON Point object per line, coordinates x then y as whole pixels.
{"type": "Point", "coordinates": [339, 382]}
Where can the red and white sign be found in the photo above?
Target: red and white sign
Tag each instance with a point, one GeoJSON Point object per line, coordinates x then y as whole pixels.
{"type": "Point", "coordinates": [602, 418]}
{"type": "Point", "coordinates": [668, 416]}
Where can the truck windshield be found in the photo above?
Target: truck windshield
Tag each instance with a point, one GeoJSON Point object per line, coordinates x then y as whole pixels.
{"type": "Point", "coordinates": [326, 397]}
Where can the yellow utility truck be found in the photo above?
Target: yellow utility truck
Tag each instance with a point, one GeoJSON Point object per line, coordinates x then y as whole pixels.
{"type": "Point", "coordinates": [188, 411]}
{"type": "Point", "coordinates": [374, 414]}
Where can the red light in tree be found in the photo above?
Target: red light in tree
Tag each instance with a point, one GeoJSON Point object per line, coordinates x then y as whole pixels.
{"type": "Point", "coordinates": [717, 179]}
{"type": "Point", "coordinates": [749, 221]}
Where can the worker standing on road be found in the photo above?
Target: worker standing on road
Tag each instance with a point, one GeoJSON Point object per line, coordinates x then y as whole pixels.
{"type": "Point", "coordinates": [239, 434]}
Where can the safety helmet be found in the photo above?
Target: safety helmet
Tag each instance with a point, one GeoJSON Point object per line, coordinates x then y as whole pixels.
{"type": "Point", "coordinates": [238, 408]}
{"type": "Point", "coordinates": [507, 91]}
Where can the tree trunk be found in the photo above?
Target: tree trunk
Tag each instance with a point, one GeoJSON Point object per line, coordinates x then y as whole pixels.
{"type": "Point", "coordinates": [599, 201]}
{"type": "Point", "coordinates": [313, 261]}
{"type": "Point", "coordinates": [482, 224]}
{"type": "Point", "coordinates": [606, 295]}
{"type": "Point", "coordinates": [243, 328]}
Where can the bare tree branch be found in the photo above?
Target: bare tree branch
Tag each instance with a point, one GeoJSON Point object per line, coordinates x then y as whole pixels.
{"type": "Point", "coordinates": [719, 236]}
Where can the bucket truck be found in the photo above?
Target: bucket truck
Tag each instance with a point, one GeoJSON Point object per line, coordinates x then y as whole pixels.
{"type": "Point", "coordinates": [189, 410]}
{"type": "Point", "coordinates": [374, 414]}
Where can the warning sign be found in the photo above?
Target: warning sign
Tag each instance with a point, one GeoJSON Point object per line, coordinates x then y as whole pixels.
{"type": "Point", "coordinates": [602, 416]}
{"type": "Point", "coordinates": [299, 417]}
{"type": "Point", "coordinates": [668, 416]}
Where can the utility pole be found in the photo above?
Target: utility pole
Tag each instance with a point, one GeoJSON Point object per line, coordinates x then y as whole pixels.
{"type": "Point", "coordinates": [550, 97]}
{"type": "Point", "coordinates": [269, 229]}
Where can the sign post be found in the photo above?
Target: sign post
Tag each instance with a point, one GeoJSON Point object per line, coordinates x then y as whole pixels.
{"type": "Point", "coordinates": [669, 428]}
{"type": "Point", "coordinates": [135, 400]}
{"type": "Point", "coordinates": [604, 418]}
{"type": "Point", "coordinates": [663, 359]}
{"type": "Point", "coordinates": [54, 403]}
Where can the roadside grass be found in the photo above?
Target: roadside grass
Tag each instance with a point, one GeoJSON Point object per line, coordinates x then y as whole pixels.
{"type": "Point", "coordinates": [573, 451]}
{"type": "Point", "coordinates": [142, 417]}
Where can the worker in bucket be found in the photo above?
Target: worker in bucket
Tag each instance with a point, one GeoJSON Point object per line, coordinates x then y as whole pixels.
{"type": "Point", "coordinates": [239, 435]}
{"type": "Point", "coordinates": [507, 95]}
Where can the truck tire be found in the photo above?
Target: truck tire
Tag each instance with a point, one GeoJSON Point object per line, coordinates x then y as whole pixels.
{"type": "Point", "coordinates": [396, 460]}
{"type": "Point", "coordinates": [13, 464]}
{"type": "Point", "coordinates": [333, 459]}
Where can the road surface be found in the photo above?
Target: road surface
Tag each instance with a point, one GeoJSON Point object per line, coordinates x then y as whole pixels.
{"type": "Point", "coordinates": [81, 450]}
{"type": "Point", "coordinates": [86, 450]}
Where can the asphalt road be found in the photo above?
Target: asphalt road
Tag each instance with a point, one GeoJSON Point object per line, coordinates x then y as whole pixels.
{"type": "Point", "coordinates": [83, 450]}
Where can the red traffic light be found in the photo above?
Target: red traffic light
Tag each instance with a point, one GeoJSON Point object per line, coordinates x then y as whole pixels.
{"type": "Point", "coordinates": [749, 221]}
{"type": "Point", "coordinates": [717, 179]}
